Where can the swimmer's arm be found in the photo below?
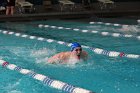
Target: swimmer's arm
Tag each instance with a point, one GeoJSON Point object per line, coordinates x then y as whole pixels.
{"type": "Point", "coordinates": [54, 59]}
{"type": "Point", "coordinates": [85, 54]}
{"type": "Point", "coordinates": [51, 60]}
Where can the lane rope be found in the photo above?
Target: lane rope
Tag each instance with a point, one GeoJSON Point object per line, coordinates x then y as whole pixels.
{"type": "Point", "coordinates": [93, 31]}
{"type": "Point", "coordinates": [95, 50]}
{"type": "Point", "coordinates": [45, 79]}
{"type": "Point", "coordinates": [110, 24]}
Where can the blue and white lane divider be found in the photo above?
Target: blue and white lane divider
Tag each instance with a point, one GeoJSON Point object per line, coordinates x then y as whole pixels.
{"type": "Point", "coordinates": [45, 79]}
{"type": "Point", "coordinates": [95, 50]}
{"type": "Point", "coordinates": [93, 32]}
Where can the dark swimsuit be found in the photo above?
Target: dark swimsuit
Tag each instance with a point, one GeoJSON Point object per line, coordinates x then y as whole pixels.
{"type": "Point", "coordinates": [11, 3]}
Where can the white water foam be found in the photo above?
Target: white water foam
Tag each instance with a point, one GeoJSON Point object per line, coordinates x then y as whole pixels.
{"type": "Point", "coordinates": [11, 87]}
{"type": "Point", "coordinates": [41, 55]}
{"type": "Point", "coordinates": [14, 91]}
{"type": "Point", "coordinates": [129, 28]}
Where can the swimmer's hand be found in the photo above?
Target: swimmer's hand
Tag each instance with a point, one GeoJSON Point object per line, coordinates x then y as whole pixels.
{"type": "Point", "coordinates": [53, 60]}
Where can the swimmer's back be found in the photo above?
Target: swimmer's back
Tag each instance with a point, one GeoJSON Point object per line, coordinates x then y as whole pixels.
{"type": "Point", "coordinates": [59, 57]}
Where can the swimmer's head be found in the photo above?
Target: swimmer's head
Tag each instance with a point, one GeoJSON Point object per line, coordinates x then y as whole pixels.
{"type": "Point", "coordinates": [75, 45]}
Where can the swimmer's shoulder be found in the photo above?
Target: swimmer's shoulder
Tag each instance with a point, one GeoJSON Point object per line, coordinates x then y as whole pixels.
{"type": "Point", "coordinates": [84, 53]}
{"type": "Point", "coordinates": [63, 54]}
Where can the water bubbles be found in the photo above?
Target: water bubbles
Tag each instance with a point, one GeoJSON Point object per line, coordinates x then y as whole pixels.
{"type": "Point", "coordinates": [118, 89]}
{"type": "Point", "coordinates": [101, 91]}
{"type": "Point", "coordinates": [125, 79]}
{"type": "Point", "coordinates": [137, 85]}
{"type": "Point", "coordinates": [42, 52]}
{"type": "Point", "coordinates": [41, 55]}
{"type": "Point", "coordinates": [130, 28]}
{"type": "Point", "coordinates": [15, 91]}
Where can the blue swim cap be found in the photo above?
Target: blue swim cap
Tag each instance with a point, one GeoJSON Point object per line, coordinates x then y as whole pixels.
{"type": "Point", "coordinates": [75, 45]}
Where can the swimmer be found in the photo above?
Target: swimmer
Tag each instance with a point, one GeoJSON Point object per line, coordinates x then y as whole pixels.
{"type": "Point", "coordinates": [76, 53]}
{"type": "Point", "coordinates": [130, 28]}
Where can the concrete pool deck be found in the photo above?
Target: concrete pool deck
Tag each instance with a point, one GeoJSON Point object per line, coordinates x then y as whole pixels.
{"type": "Point", "coordinates": [120, 9]}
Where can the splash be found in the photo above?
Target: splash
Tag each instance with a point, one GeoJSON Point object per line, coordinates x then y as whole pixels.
{"type": "Point", "coordinates": [128, 28]}
{"type": "Point", "coordinates": [11, 87]}
{"type": "Point", "coordinates": [15, 91]}
{"type": "Point", "coordinates": [73, 61]}
{"type": "Point", "coordinates": [41, 55]}
{"type": "Point", "coordinates": [1, 57]}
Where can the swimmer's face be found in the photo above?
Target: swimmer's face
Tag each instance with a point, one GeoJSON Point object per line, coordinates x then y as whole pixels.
{"type": "Point", "coordinates": [77, 51]}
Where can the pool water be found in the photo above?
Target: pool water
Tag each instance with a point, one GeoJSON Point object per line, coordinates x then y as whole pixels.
{"type": "Point", "coordinates": [100, 73]}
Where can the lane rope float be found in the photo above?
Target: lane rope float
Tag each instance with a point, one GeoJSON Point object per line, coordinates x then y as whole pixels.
{"type": "Point", "coordinates": [93, 31]}
{"type": "Point", "coordinates": [95, 50]}
{"type": "Point", "coordinates": [110, 24]}
{"type": "Point", "coordinates": [45, 79]}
